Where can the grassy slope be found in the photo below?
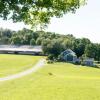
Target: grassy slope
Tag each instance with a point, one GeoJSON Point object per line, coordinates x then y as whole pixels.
{"type": "Point", "coordinates": [68, 82]}
{"type": "Point", "coordinates": [11, 64]}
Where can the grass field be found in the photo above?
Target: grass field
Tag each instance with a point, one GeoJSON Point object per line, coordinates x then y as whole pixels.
{"type": "Point", "coordinates": [59, 81]}
{"type": "Point", "coordinates": [11, 64]}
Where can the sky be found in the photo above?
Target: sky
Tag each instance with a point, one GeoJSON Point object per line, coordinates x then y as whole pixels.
{"type": "Point", "coordinates": [84, 23]}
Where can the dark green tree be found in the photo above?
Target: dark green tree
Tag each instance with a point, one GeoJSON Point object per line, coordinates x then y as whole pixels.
{"type": "Point", "coordinates": [80, 45]}
{"type": "Point", "coordinates": [16, 40]}
{"type": "Point", "coordinates": [52, 47]}
{"type": "Point", "coordinates": [91, 51]}
{"type": "Point", "coordinates": [32, 42]}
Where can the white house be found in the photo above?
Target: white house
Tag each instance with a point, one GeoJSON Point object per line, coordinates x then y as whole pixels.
{"type": "Point", "coordinates": [88, 61]}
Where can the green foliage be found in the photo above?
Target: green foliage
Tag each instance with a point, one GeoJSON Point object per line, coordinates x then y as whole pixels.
{"type": "Point", "coordinates": [52, 43]}
{"type": "Point", "coordinates": [53, 47]}
{"type": "Point", "coordinates": [93, 51]}
{"type": "Point", "coordinates": [50, 61]}
{"type": "Point", "coordinates": [68, 44]}
{"type": "Point", "coordinates": [32, 42]}
{"type": "Point", "coordinates": [16, 40]}
{"type": "Point", "coordinates": [39, 40]}
{"type": "Point", "coordinates": [37, 12]}
{"type": "Point", "coordinates": [50, 57]}
{"type": "Point", "coordinates": [80, 45]}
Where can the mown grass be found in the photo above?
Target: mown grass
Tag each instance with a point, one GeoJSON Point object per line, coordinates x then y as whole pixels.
{"type": "Point", "coordinates": [11, 64]}
{"type": "Point", "coordinates": [59, 81]}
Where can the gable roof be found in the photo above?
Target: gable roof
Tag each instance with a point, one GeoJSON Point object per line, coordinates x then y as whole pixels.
{"type": "Point", "coordinates": [68, 51]}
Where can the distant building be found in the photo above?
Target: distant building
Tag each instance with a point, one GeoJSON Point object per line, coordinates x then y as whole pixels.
{"type": "Point", "coordinates": [69, 56]}
{"type": "Point", "coordinates": [88, 62]}
{"type": "Point", "coordinates": [22, 49]}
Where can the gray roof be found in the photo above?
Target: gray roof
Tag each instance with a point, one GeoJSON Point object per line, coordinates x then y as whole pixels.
{"type": "Point", "coordinates": [68, 51]}
{"type": "Point", "coordinates": [23, 48]}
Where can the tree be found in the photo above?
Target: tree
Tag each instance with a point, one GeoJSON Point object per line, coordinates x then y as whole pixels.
{"type": "Point", "coordinates": [37, 12]}
{"type": "Point", "coordinates": [90, 50]}
{"type": "Point", "coordinates": [39, 40]}
{"type": "Point", "coordinates": [46, 45]}
{"type": "Point", "coordinates": [98, 53]}
{"type": "Point", "coordinates": [80, 45]}
{"type": "Point", "coordinates": [68, 44]}
{"type": "Point", "coordinates": [25, 38]}
{"type": "Point", "coordinates": [35, 35]}
{"type": "Point", "coordinates": [93, 51]}
{"type": "Point", "coordinates": [52, 47]}
{"type": "Point", "coordinates": [32, 42]}
{"type": "Point", "coordinates": [16, 40]}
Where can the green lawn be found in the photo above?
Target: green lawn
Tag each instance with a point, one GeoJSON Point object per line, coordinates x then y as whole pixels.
{"type": "Point", "coordinates": [67, 82]}
{"type": "Point", "coordinates": [11, 64]}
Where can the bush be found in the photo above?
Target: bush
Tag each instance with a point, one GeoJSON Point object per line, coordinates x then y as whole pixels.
{"type": "Point", "coordinates": [49, 61]}
{"type": "Point", "coordinates": [98, 62]}
{"type": "Point", "coordinates": [77, 63]}
{"type": "Point", "coordinates": [59, 58]}
{"type": "Point", "coordinates": [50, 57]}
{"type": "Point", "coordinates": [82, 64]}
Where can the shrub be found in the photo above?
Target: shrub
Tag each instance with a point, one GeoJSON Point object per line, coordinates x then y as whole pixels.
{"type": "Point", "coordinates": [49, 61]}
{"type": "Point", "coordinates": [82, 64]}
{"type": "Point", "coordinates": [77, 63]}
{"type": "Point", "coordinates": [50, 57]}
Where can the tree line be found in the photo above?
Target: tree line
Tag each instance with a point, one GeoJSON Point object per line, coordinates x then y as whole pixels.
{"type": "Point", "coordinates": [52, 43]}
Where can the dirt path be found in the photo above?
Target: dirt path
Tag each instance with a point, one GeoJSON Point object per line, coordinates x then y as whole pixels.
{"type": "Point", "coordinates": [29, 71]}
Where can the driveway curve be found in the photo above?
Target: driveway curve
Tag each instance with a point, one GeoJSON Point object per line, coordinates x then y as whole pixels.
{"type": "Point", "coordinates": [39, 65]}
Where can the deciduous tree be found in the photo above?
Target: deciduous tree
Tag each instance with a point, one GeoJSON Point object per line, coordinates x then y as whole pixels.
{"type": "Point", "coordinates": [37, 12]}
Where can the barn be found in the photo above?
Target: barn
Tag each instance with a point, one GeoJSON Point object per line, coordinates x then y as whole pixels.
{"type": "Point", "coordinates": [68, 56]}
{"type": "Point", "coordinates": [21, 49]}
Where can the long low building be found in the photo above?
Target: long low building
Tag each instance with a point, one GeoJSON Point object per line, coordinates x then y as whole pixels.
{"type": "Point", "coordinates": [22, 49]}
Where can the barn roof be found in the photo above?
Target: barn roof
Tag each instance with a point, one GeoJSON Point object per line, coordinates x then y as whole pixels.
{"type": "Point", "coordinates": [68, 51]}
{"type": "Point", "coordinates": [21, 48]}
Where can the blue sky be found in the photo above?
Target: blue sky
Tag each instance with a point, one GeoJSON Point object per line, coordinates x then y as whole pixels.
{"type": "Point", "coordinates": [84, 23]}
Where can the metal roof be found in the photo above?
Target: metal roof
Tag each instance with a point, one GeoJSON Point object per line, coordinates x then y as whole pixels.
{"type": "Point", "coordinates": [21, 48]}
